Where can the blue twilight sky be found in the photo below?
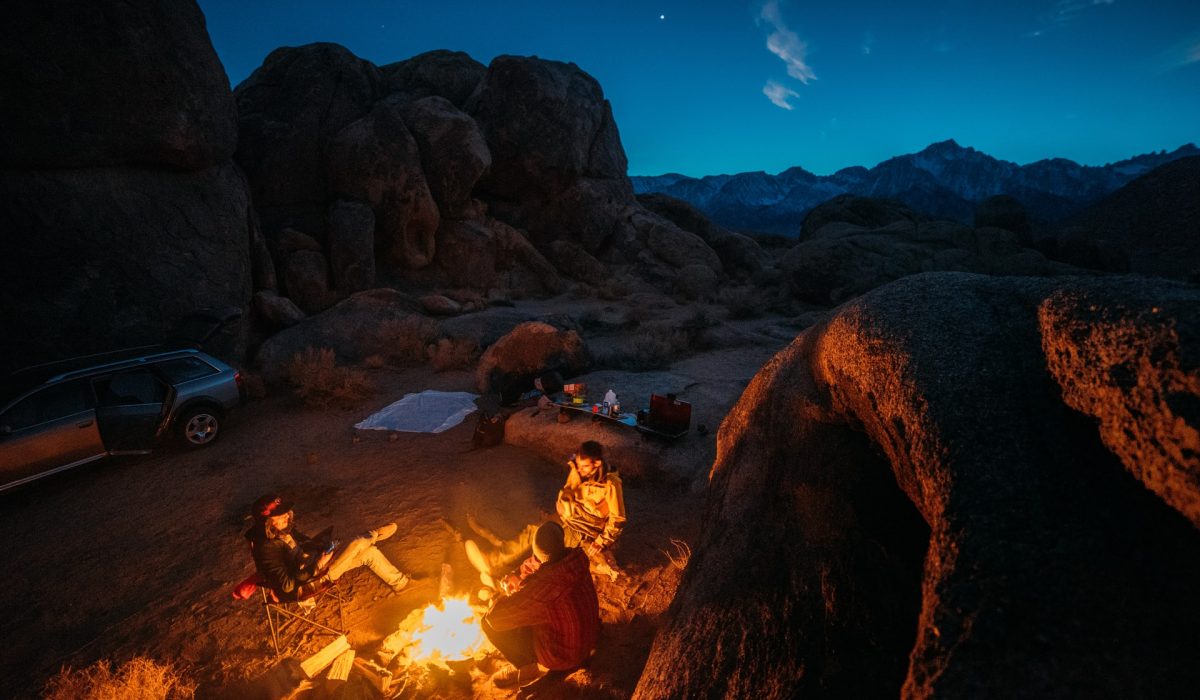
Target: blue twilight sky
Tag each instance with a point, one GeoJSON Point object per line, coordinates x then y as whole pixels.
{"type": "Point", "coordinates": [703, 87]}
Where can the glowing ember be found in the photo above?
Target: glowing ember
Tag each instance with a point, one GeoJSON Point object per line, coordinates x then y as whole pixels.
{"type": "Point", "coordinates": [448, 633]}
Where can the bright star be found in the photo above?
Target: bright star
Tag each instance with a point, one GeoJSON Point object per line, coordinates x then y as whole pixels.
{"type": "Point", "coordinates": [662, 16]}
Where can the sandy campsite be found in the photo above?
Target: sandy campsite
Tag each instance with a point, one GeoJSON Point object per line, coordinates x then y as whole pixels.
{"type": "Point", "coordinates": [162, 535]}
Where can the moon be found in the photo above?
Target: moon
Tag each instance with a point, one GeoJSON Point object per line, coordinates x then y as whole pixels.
{"type": "Point", "coordinates": [662, 16]}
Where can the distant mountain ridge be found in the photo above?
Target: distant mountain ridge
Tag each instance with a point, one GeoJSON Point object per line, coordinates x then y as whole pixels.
{"type": "Point", "coordinates": [945, 180]}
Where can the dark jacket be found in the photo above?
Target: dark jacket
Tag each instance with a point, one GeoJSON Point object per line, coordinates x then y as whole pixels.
{"type": "Point", "coordinates": [286, 571]}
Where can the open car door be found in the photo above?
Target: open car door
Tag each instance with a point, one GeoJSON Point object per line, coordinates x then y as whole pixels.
{"type": "Point", "coordinates": [131, 408]}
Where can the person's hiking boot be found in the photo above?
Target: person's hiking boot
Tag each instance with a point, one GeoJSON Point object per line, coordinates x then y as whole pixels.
{"type": "Point", "coordinates": [381, 533]}
{"type": "Point", "coordinates": [513, 676]}
{"type": "Point", "coordinates": [400, 584]}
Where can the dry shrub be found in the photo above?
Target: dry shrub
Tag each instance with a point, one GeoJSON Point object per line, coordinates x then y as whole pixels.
{"type": "Point", "coordinates": [374, 361]}
{"type": "Point", "coordinates": [681, 554]}
{"type": "Point", "coordinates": [656, 347]}
{"type": "Point", "coordinates": [406, 339]}
{"type": "Point", "coordinates": [319, 381]}
{"type": "Point", "coordinates": [453, 353]}
{"type": "Point", "coordinates": [742, 302]}
{"type": "Point", "coordinates": [139, 678]}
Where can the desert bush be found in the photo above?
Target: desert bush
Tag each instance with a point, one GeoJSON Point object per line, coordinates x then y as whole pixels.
{"type": "Point", "coordinates": [406, 340]}
{"type": "Point", "coordinates": [139, 678]}
{"type": "Point", "coordinates": [453, 353]}
{"type": "Point", "coordinates": [742, 302]}
{"type": "Point", "coordinates": [374, 361]}
{"type": "Point", "coordinates": [319, 381]}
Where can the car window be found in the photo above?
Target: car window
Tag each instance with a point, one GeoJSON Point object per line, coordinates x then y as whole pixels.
{"type": "Point", "coordinates": [130, 389]}
{"type": "Point", "coordinates": [185, 369]}
{"type": "Point", "coordinates": [51, 403]}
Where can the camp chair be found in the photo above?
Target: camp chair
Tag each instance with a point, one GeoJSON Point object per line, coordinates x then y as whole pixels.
{"type": "Point", "coordinates": [288, 619]}
{"type": "Point", "coordinates": [667, 417]}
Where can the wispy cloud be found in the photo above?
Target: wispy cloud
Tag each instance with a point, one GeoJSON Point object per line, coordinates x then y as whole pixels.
{"type": "Point", "coordinates": [1065, 11]}
{"type": "Point", "coordinates": [785, 44]}
{"type": "Point", "coordinates": [867, 42]}
{"type": "Point", "coordinates": [1191, 55]}
{"type": "Point", "coordinates": [779, 94]}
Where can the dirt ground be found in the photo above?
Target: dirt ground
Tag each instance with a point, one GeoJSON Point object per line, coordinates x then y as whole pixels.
{"type": "Point", "coordinates": [139, 556]}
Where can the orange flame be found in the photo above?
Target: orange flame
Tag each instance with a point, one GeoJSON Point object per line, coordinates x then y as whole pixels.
{"type": "Point", "coordinates": [446, 632]}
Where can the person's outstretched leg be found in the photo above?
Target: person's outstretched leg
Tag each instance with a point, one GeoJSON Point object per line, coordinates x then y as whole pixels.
{"type": "Point", "coordinates": [505, 557]}
{"type": "Point", "coordinates": [361, 552]}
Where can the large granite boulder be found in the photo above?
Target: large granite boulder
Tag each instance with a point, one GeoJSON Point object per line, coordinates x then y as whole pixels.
{"type": "Point", "coordinates": [289, 111]}
{"type": "Point", "coordinates": [453, 152]}
{"type": "Point", "coordinates": [450, 74]}
{"type": "Point", "coordinates": [547, 124]}
{"type": "Point", "coordinates": [906, 502]}
{"type": "Point", "coordinates": [113, 257]}
{"type": "Point", "coordinates": [739, 254]}
{"type": "Point", "coordinates": [352, 246]}
{"type": "Point", "coordinates": [376, 160]}
{"type": "Point", "coordinates": [99, 84]}
{"type": "Point", "coordinates": [363, 325]}
{"type": "Point", "coordinates": [493, 255]}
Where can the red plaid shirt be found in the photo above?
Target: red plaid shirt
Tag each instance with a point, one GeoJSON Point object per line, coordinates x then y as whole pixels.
{"type": "Point", "coordinates": [559, 602]}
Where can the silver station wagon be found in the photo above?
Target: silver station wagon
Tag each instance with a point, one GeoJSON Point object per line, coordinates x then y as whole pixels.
{"type": "Point", "coordinates": [64, 414]}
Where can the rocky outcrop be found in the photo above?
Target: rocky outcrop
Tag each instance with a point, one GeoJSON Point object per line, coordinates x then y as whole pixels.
{"type": "Point", "coordinates": [366, 324]}
{"type": "Point", "coordinates": [885, 480]}
{"type": "Point", "coordinates": [116, 146]}
{"type": "Point", "coordinates": [547, 125]}
{"type": "Point", "coordinates": [352, 246]}
{"type": "Point", "coordinates": [528, 350]}
{"type": "Point", "coordinates": [739, 254]}
{"type": "Point", "coordinates": [375, 160]}
{"type": "Point", "coordinates": [851, 245]}
{"type": "Point", "coordinates": [450, 74]}
{"type": "Point", "coordinates": [453, 152]}
{"type": "Point", "coordinates": [289, 111]}
{"type": "Point", "coordinates": [113, 257]}
{"type": "Point", "coordinates": [1004, 211]}
{"type": "Point", "coordinates": [1151, 226]}
{"type": "Point", "coordinates": [466, 191]}
{"type": "Point", "coordinates": [93, 84]}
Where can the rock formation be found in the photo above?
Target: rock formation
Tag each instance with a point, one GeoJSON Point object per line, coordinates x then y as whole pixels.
{"type": "Point", "coordinates": [117, 178]}
{"type": "Point", "coordinates": [915, 468]}
{"type": "Point", "coordinates": [507, 178]}
{"type": "Point", "coordinates": [850, 245]}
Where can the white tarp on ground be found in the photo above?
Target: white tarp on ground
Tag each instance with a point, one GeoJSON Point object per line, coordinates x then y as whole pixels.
{"type": "Point", "coordinates": [426, 412]}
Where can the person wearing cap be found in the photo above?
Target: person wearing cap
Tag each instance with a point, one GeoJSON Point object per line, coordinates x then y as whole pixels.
{"type": "Point", "coordinates": [295, 566]}
{"type": "Point", "coordinates": [552, 620]}
{"type": "Point", "coordinates": [591, 506]}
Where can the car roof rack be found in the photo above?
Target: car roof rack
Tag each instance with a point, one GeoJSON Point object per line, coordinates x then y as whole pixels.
{"type": "Point", "coordinates": [27, 378]}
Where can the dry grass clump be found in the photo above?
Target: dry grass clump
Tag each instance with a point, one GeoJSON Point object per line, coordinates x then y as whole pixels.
{"type": "Point", "coordinates": [139, 678]}
{"type": "Point", "coordinates": [453, 353]}
{"type": "Point", "coordinates": [319, 381]}
{"type": "Point", "coordinates": [656, 347]}
{"type": "Point", "coordinates": [405, 341]}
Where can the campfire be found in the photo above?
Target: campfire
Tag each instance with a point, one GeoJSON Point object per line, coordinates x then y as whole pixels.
{"type": "Point", "coordinates": [448, 632]}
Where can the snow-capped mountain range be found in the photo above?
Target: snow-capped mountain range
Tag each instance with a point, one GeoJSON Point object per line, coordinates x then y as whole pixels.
{"type": "Point", "coordinates": [944, 180]}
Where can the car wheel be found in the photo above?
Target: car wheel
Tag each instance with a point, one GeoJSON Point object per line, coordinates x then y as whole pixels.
{"type": "Point", "coordinates": [199, 427]}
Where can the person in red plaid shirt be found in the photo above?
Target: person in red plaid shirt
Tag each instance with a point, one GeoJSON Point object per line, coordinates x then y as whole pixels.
{"type": "Point", "coordinates": [552, 620]}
